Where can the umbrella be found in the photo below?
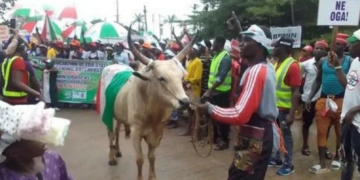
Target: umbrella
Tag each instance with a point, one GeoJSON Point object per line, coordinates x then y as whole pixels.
{"type": "Point", "coordinates": [74, 30]}
{"type": "Point", "coordinates": [31, 26]}
{"type": "Point", "coordinates": [49, 10]}
{"type": "Point", "coordinates": [106, 30]}
{"type": "Point", "coordinates": [30, 14]}
{"type": "Point", "coordinates": [68, 13]}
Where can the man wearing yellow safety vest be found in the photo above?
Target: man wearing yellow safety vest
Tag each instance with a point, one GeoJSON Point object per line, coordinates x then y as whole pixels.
{"type": "Point", "coordinates": [219, 87]}
{"type": "Point", "coordinates": [15, 78]}
{"type": "Point", "coordinates": [288, 82]}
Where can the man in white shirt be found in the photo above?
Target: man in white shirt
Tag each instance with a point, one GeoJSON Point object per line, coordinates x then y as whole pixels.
{"type": "Point", "coordinates": [309, 72]}
{"type": "Point", "coordinates": [350, 115]}
{"type": "Point", "coordinates": [94, 53]}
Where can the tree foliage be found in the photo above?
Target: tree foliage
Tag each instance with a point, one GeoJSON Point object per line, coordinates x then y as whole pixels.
{"type": "Point", "coordinates": [276, 13]}
{"type": "Point", "coordinates": [6, 5]}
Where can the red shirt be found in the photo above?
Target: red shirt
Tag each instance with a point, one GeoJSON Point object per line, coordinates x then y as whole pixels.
{"type": "Point", "coordinates": [235, 71]}
{"type": "Point", "coordinates": [162, 57]}
{"type": "Point", "coordinates": [18, 64]}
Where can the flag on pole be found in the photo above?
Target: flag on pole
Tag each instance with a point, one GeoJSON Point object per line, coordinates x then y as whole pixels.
{"type": "Point", "coordinates": [48, 31]}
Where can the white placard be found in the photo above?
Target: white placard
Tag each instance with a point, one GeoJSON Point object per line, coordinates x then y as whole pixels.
{"type": "Point", "coordinates": [338, 13]}
{"type": "Point", "coordinates": [293, 32]}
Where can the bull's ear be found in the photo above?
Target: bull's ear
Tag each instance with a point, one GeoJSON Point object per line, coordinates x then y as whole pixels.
{"type": "Point", "coordinates": [137, 74]}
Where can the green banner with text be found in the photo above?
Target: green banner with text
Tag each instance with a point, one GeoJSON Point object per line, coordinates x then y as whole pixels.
{"type": "Point", "coordinates": [77, 80]}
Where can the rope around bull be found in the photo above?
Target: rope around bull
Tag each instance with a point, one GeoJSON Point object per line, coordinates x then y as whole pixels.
{"type": "Point", "coordinates": [199, 119]}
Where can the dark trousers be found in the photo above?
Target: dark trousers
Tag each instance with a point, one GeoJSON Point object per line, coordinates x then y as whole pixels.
{"type": "Point", "coordinates": [256, 158]}
{"type": "Point", "coordinates": [350, 140]}
{"type": "Point", "coordinates": [221, 130]}
{"type": "Point", "coordinates": [53, 96]}
{"type": "Point", "coordinates": [308, 117]}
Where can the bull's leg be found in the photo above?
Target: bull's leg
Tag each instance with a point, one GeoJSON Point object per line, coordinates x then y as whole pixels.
{"type": "Point", "coordinates": [112, 158]}
{"type": "Point", "coordinates": [153, 141]}
{"type": "Point", "coordinates": [136, 137]}
{"type": "Point", "coordinates": [127, 131]}
{"type": "Point", "coordinates": [117, 146]}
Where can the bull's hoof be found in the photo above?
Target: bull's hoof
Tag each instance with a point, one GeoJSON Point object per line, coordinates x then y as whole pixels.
{"type": "Point", "coordinates": [118, 155]}
{"type": "Point", "coordinates": [113, 162]}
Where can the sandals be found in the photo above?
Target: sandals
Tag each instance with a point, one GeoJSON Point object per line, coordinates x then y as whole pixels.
{"type": "Point", "coordinates": [305, 151]}
{"type": "Point", "coordinates": [316, 169]}
{"type": "Point", "coordinates": [328, 155]}
{"type": "Point", "coordinates": [335, 165]}
{"type": "Point", "coordinates": [221, 146]}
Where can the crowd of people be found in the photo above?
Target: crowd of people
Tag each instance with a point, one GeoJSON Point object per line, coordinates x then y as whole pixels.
{"type": "Point", "coordinates": [255, 84]}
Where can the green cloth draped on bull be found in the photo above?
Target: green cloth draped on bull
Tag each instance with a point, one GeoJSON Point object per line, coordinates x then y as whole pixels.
{"type": "Point", "coordinates": [112, 81]}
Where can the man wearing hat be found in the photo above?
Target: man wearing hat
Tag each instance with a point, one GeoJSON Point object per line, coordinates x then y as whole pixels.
{"type": "Point", "coordinates": [109, 53]}
{"type": "Point", "coordinates": [350, 115]}
{"type": "Point", "coordinates": [55, 50]}
{"type": "Point", "coordinates": [309, 71]}
{"type": "Point", "coordinates": [94, 53]}
{"type": "Point", "coordinates": [193, 79]}
{"type": "Point", "coordinates": [255, 111]}
{"type": "Point", "coordinates": [219, 89]}
{"type": "Point", "coordinates": [306, 53]}
{"type": "Point", "coordinates": [332, 92]}
{"type": "Point", "coordinates": [288, 82]}
{"type": "Point", "coordinates": [76, 50]}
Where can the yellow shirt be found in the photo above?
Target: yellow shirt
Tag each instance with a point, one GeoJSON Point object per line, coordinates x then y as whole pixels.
{"type": "Point", "coordinates": [51, 54]}
{"type": "Point", "coordinates": [194, 69]}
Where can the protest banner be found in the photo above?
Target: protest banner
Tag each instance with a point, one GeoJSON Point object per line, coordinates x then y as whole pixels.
{"type": "Point", "coordinates": [338, 13]}
{"type": "Point", "coordinates": [4, 33]}
{"type": "Point", "coordinates": [77, 80]}
{"type": "Point", "coordinates": [293, 32]}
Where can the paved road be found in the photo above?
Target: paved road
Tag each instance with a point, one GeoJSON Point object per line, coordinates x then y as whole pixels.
{"type": "Point", "coordinates": [86, 155]}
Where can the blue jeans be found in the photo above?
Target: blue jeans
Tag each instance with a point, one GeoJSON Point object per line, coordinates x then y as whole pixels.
{"type": "Point", "coordinates": [174, 116]}
{"type": "Point", "coordinates": [350, 141]}
{"type": "Point", "coordinates": [286, 131]}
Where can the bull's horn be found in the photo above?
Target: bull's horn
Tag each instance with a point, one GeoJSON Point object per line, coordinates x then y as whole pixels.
{"type": "Point", "coordinates": [143, 59]}
{"type": "Point", "coordinates": [186, 50]}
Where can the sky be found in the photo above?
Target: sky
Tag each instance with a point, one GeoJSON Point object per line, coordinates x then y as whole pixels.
{"type": "Point", "coordinates": [106, 9]}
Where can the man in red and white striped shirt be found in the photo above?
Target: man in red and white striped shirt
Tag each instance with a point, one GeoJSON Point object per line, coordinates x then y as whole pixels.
{"type": "Point", "coordinates": [255, 110]}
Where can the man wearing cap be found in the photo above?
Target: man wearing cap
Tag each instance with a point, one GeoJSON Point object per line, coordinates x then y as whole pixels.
{"type": "Point", "coordinates": [309, 70]}
{"type": "Point", "coordinates": [55, 50]}
{"type": "Point", "coordinates": [192, 80]}
{"type": "Point", "coordinates": [306, 53]}
{"type": "Point", "coordinates": [288, 82]}
{"type": "Point", "coordinates": [109, 53]}
{"type": "Point", "coordinates": [219, 85]}
{"type": "Point", "coordinates": [121, 56]}
{"type": "Point", "coordinates": [94, 53]}
{"type": "Point", "coordinates": [76, 50]}
{"type": "Point", "coordinates": [350, 115]}
{"type": "Point", "coordinates": [255, 111]}
{"type": "Point", "coordinates": [332, 92]}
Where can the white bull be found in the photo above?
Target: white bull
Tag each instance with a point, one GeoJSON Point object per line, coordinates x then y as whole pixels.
{"type": "Point", "coordinates": [144, 104]}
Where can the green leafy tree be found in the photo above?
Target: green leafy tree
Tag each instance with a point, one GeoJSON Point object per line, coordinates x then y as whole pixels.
{"type": "Point", "coordinates": [272, 13]}
{"type": "Point", "coordinates": [5, 5]}
{"type": "Point", "coordinates": [171, 19]}
{"type": "Point", "coordinates": [139, 19]}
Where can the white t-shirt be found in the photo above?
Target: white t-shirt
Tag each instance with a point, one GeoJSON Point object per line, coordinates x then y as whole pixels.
{"type": "Point", "coordinates": [98, 55]}
{"type": "Point", "coordinates": [309, 72]}
{"type": "Point", "coordinates": [352, 91]}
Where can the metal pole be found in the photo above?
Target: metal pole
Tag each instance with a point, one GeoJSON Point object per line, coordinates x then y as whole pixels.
{"type": "Point", "coordinates": [292, 12]}
{"type": "Point", "coordinates": [145, 18]}
{"type": "Point", "coordinates": [117, 11]}
{"type": "Point", "coordinates": [153, 23]}
{"type": "Point", "coordinates": [160, 26]}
